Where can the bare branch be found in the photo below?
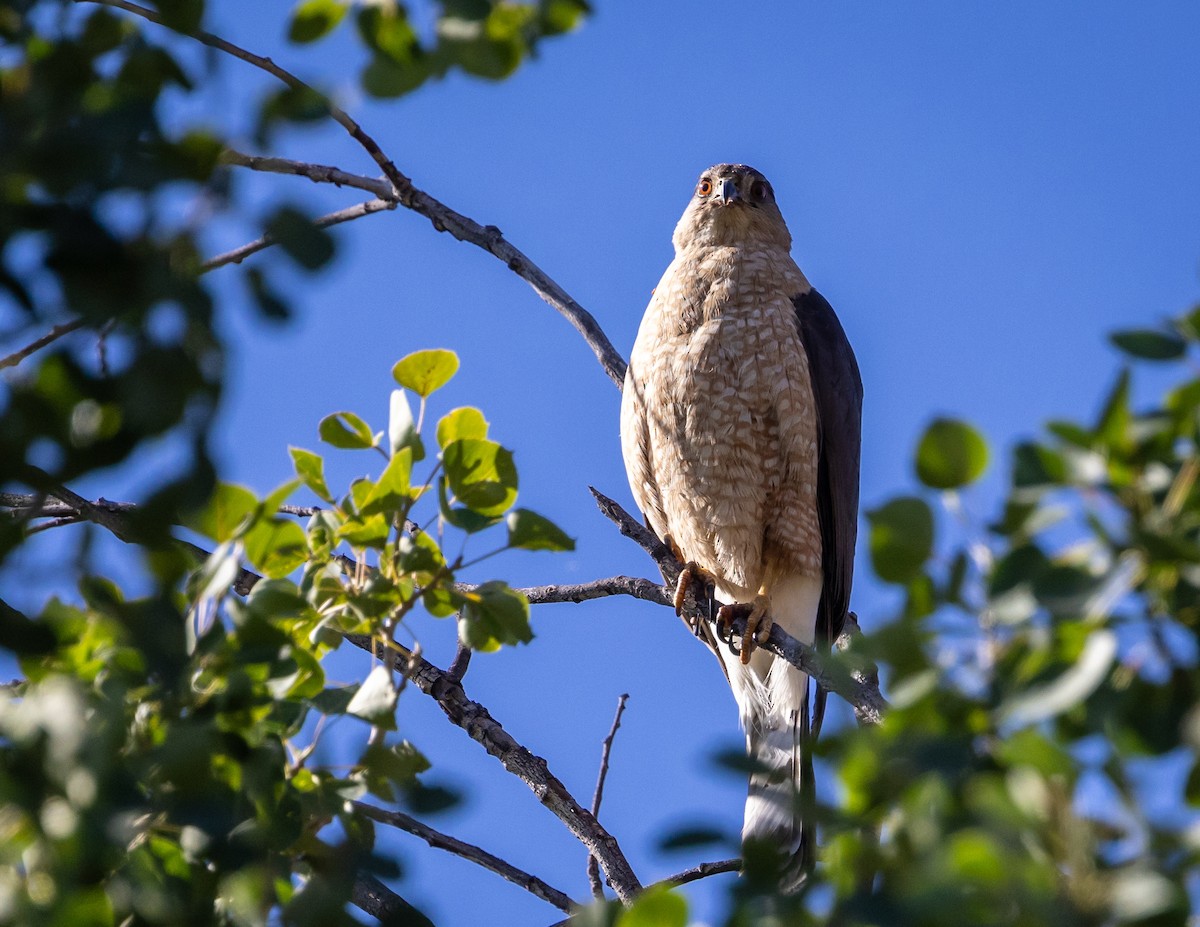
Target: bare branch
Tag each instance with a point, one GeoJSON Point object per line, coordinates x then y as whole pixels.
{"type": "Point", "coordinates": [593, 865]}
{"type": "Point", "coordinates": [317, 173]}
{"type": "Point", "coordinates": [633, 586]}
{"type": "Point", "coordinates": [864, 697]}
{"type": "Point", "coordinates": [357, 211]}
{"type": "Point", "coordinates": [703, 871]}
{"type": "Point", "coordinates": [444, 219]}
{"type": "Point", "coordinates": [530, 769]}
{"type": "Point", "coordinates": [440, 841]}
{"type": "Point", "coordinates": [370, 895]}
{"type": "Point", "coordinates": [50, 337]}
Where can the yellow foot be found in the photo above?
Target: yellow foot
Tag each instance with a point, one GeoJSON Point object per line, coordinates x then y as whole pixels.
{"type": "Point", "coordinates": [758, 623]}
{"type": "Point", "coordinates": [691, 573]}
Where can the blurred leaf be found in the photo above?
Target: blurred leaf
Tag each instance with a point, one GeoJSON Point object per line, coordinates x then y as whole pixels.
{"type": "Point", "coordinates": [950, 454]}
{"type": "Point", "coordinates": [313, 19]}
{"type": "Point", "coordinates": [309, 246]}
{"type": "Point", "coordinates": [346, 430]}
{"type": "Point", "coordinates": [1037, 465]}
{"type": "Point", "coordinates": [424, 372]}
{"type": "Point", "coordinates": [530, 531]}
{"type": "Point", "coordinates": [276, 547]}
{"type": "Point", "coordinates": [1069, 689]}
{"type": "Point", "coordinates": [228, 508]}
{"type": "Point", "coordinates": [658, 906]}
{"type": "Point", "coordinates": [402, 427]}
{"type": "Point", "coordinates": [901, 538]}
{"type": "Point", "coordinates": [375, 700]}
{"type": "Point", "coordinates": [464, 422]}
{"type": "Point", "coordinates": [310, 468]}
{"type": "Point", "coordinates": [1148, 344]}
{"type": "Point", "coordinates": [268, 300]}
{"type": "Point", "coordinates": [687, 838]}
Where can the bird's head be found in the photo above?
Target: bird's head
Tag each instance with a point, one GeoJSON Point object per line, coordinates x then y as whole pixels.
{"type": "Point", "coordinates": [733, 205]}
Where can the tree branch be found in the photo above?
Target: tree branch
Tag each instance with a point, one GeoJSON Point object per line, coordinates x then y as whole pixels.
{"type": "Point", "coordinates": [593, 866]}
{"type": "Point", "coordinates": [855, 688]}
{"type": "Point", "coordinates": [317, 173]}
{"type": "Point", "coordinates": [477, 855]}
{"type": "Point", "coordinates": [50, 337]}
{"type": "Point", "coordinates": [518, 760]}
{"type": "Point", "coordinates": [357, 211]}
{"type": "Point", "coordinates": [444, 219]}
{"type": "Point", "coordinates": [370, 895]}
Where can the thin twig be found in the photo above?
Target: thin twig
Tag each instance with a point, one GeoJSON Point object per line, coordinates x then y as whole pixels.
{"type": "Point", "coordinates": [518, 760]}
{"type": "Point", "coordinates": [239, 254]}
{"type": "Point", "coordinates": [317, 173]}
{"type": "Point", "coordinates": [593, 866]}
{"type": "Point", "coordinates": [444, 219]}
{"type": "Point", "coordinates": [370, 895]}
{"type": "Point", "coordinates": [702, 871]}
{"type": "Point", "coordinates": [469, 851]}
{"type": "Point", "coordinates": [50, 337]}
{"type": "Point", "coordinates": [865, 698]}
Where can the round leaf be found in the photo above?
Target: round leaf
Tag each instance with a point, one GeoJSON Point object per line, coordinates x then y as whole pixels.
{"type": "Point", "coordinates": [950, 454]}
{"type": "Point", "coordinates": [423, 372]}
{"type": "Point", "coordinates": [901, 538]}
{"type": "Point", "coordinates": [464, 422]}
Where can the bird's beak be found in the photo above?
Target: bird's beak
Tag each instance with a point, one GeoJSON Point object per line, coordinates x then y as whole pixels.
{"type": "Point", "coordinates": [729, 192]}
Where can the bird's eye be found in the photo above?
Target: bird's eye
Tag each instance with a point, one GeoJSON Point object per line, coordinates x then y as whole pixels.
{"type": "Point", "coordinates": [759, 190]}
{"type": "Point", "coordinates": [705, 187]}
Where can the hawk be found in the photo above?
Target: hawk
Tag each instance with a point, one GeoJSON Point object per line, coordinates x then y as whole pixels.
{"type": "Point", "coordinates": [740, 429]}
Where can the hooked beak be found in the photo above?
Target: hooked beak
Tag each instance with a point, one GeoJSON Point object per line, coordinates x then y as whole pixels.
{"type": "Point", "coordinates": [729, 192]}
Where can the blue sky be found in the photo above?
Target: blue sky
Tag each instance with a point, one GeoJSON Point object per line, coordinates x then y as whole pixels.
{"type": "Point", "coordinates": [981, 191]}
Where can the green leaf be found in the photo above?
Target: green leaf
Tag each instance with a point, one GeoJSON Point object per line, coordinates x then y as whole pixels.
{"type": "Point", "coordinates": [530, 531]}
{"type": "Point", "coordinates": [658, 906]}
{"type": "Point", "coordinates": [950, 454]}
{"type": "Point", "coordinates": [309, 246]}
{"type": "Point", "coordinates": [313, 19]}
{"type": "Point", "coordinates": [481, 475]}
{"type": "Point", "coordinates": [901, 538]}
{"type": "Point", "coordinates": [1113, 425]}
{"type": "Point", "coordinates": [387, 80]}
{"type": "Point", "coordinates": [393, 490]}
{"type": "Point", "coordinates": [1037, 465]}
{"type": "Point", "coordinates": [1071, 687]}
{"type": "Point", "coordinates": [375, 701]}
{"type": "Point", "coordinates": [424, 372]}
{"type": "Point", "coordinates": [276, 547]}
{"type": "Point", "coordinates": [310, 468]}
{"type": "Point", "coordinates": [1148, 344]}
{"type": "Point", "coordinates": [227, 510]}
{"type": "Point", "coordinates": [346, 430]}
{"type": "Point", "coordinates": [464, 422]}
{"type": "Point", "coordinates": [493, 615]}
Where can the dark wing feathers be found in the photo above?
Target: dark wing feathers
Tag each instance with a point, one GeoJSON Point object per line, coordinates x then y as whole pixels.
{"type": "Point", "coordinates": [837, 388]}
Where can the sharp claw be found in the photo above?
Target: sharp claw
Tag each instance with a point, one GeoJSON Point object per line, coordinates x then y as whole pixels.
{"type": "Point", "coordinates": [758, 626]}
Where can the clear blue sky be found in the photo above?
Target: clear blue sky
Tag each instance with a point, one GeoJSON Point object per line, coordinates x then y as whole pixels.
{"type": "Point", "coordinates": [981, 191]}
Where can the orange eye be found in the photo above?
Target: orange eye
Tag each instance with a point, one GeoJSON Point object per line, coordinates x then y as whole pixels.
{"type": "Point", "coordinates": [705, 187]}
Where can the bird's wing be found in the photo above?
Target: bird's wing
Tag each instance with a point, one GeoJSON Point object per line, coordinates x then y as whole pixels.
{"type": "Point", "coordinates": [837, 389]}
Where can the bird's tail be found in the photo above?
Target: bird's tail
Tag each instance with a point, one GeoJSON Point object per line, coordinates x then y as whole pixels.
{"type": "Point", "coordinates": [772, 699]}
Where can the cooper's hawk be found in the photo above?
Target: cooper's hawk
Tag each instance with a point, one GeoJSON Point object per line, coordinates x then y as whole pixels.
{"type": "Point", "coordinates": [740, 427]}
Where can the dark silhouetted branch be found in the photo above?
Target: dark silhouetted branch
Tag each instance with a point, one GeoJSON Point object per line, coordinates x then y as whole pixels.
{"type": "Point", "coordinates": [372, 896]}
{"type": "Point", "coordinates": [318, 173]}
{"type": "Point", "coordinates": [593, 866]}
{"type": "Point", "coordinates": [11, 360]}
{"type": "Point", "coordinates": [440, 841]}
{"type": "Point", "coordinates": [518, 760]}
{"type": "Point", "coordinates": [239, 254]}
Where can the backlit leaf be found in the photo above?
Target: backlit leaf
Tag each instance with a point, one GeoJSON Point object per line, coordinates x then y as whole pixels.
{"type": "Point", "coordinates": [950, 454]}
{"type": "Point", "coordinates": [424, 372]}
